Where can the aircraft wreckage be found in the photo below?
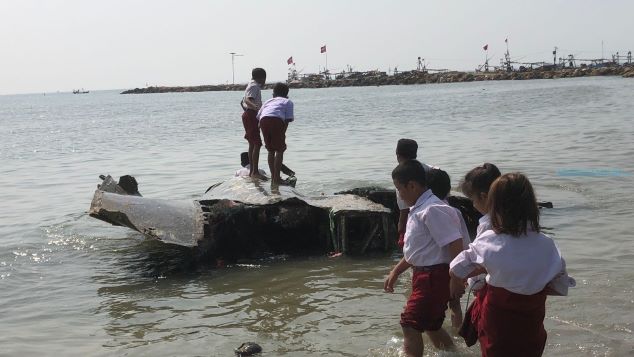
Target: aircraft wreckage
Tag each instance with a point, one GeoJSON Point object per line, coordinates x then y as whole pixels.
{"type": "Point", "coordinates": [242, 219]}
{"type": "Point", "coordinates": [247, 219]}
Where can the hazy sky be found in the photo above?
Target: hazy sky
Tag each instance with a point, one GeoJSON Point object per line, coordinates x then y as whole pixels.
{"type": "Point", "coordinates": [51, 45]}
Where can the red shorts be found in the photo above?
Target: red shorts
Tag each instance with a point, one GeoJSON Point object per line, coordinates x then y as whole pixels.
{"type": "Point", "coordinates": [425, 308]}
{"type": "Point", "coordinates": [274, 133]}
{"type": "Point", "coordinates": [251, 130]}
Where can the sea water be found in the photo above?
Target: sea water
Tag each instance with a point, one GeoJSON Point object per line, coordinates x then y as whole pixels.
{"type": "Point", "coordinates": [71, 285]}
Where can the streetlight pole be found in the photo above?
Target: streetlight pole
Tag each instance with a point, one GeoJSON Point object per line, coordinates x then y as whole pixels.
{"type": "Point", "coordinates": [233, 73]}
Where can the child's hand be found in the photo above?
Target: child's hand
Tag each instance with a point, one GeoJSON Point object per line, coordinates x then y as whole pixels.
{"type": "Point", "coordinates": [456, 287]}
{"type": "Point", "coordinates": [388, 286]}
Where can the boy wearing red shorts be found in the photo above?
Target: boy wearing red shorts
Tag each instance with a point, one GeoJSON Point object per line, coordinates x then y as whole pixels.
{"type": "Point", "coordinates": [251, 103]}
{"type": "Point", "coordinates": [274, 117]}
{"type": "Point", "coordinates": [432, 240]}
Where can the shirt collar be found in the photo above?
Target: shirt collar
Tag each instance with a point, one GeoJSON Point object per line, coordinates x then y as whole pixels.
{"type": "Point", "coordinates": [422, 199]}
{"type": "Point", "coordinates": [484, 219]}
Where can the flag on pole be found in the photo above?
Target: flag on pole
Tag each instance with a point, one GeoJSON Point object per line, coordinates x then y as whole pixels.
{"type": "Point", "coordinates": [506, 40]}
{"type": "Point", "coordinates": [289, 60]}
{"type": "Point", "coordinates": [486, 47]}
{"type": "Point", "coordinates": [323, 49]}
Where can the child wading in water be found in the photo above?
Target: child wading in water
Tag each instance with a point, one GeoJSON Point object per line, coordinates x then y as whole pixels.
{"type": "Point", "coordinates": [274, 117]}
{"type": "Point", "coordinates": [439, 183]}
{"type": "Point", "coordinates": [251, 103]}
{"type": "Point", "coordinates": [521, 265]}
{"type": "Point", "coordinates": [432, 240]}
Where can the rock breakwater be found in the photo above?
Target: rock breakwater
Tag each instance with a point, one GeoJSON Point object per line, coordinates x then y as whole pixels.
{"type": "Point", "coordinates": [377, 78]}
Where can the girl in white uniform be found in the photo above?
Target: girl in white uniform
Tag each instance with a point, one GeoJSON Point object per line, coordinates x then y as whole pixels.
{"type": "Point", "coordinates": [520, 261]}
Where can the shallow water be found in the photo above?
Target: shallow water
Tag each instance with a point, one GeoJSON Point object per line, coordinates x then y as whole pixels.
{"type": "Point", "coordinates": [74, 286]}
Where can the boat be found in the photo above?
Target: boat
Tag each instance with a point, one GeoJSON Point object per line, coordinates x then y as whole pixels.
{"type": "Point", "coordinates": [82, 91]}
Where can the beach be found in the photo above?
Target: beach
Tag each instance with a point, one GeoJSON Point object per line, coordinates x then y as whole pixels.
{"type": "Point", "coordinates": [75, 286]}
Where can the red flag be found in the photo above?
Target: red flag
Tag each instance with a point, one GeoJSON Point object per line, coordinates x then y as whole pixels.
{"type": "Point", "coordinates": [486, 47]}
{"type": "Point", "coordinates": [323, 49]}
{"type": "Point", "coordinates": [289, 60]}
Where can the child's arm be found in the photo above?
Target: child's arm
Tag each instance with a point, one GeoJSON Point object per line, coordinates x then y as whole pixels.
{"type": "Point", "coordinates": [402, 220]}
{"type": "Point", "coordinates": [251, 103]}
{"type": "Point", "coordinates": [456, 286]}
{"type": "Point", "coordinates": [398, 269]}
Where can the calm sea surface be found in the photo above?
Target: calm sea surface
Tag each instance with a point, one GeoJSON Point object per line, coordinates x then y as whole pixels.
{"type": "Point", "coordinates": [74, 286]}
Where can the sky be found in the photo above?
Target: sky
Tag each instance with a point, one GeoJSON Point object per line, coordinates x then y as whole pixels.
{"type": "Point", "coordinates": [61, 45]}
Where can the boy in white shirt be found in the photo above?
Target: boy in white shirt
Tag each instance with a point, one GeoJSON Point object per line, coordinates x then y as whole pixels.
{"type": "Point", "coordinates": [432, 239]}
{"type": "Point", "coordinates": [274, 117]}
{"type": "Point", "coordinates": [439, 183]}
{"type": "Point", "coordinates": [251, 103]}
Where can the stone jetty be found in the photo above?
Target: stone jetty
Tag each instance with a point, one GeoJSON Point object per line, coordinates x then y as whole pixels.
{"type": "Point", "coordinates": [377, 78]}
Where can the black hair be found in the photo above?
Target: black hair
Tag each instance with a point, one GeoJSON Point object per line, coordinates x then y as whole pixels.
{"type": "Point", "coordinates": [244, 159]}
{"type": "Point", "coordinates": [439, 183]}
{"type": "Point", "coordinates": [410, 170]}
{"type": "Point", "coordinates": [258, 73]}
{"type": "Point", "coordinates": [280, 90]}
{"type": "Point", "coordinates": [479, 179]}
{"type": "Point", "coordinates": [407, 149]}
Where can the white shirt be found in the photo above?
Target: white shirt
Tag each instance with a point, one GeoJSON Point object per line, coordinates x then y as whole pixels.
{"type": "Point", "coordinates": [278, 107]}
{"type": "Point", "coordinates": [522, 265]}
{"type": "Point", "coordinates": [484, 224]}
{"type": "Point", "coordinates": [431, 226]}
{"type": "Point", "coordinates": [464, 231]}
{"type": "Point", "coordinates": [399, 201]}
{"type": "Point", "coordinates": [243, 172]}
{"type": "Point", "coordinates": [254, 91]}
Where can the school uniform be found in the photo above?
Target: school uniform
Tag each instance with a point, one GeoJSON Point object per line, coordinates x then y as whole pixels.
{"type": "Point", "coordinates": [484, 224]}
{"type": "Point", "coordinates": [249, 117]}
{"type": "Point", "coordinates": [508, 312]}
{"type": "Point", "coordinates": [431, 226]}
{"type": "Point", "coordinates": [274, 117]}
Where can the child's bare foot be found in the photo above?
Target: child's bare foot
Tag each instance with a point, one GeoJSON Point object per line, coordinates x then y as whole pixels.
{"type": "Point", "coordinates": [456, 320]}
{"type": "Point", "coordinates": [259, 177]}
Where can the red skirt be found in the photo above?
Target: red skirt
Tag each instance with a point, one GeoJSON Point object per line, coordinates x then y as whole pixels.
{"type": "Point", "coordinates": [509, 324]}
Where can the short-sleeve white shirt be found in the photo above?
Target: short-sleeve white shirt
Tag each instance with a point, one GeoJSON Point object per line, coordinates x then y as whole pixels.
{"type": "Point", "coordinates": [431, 226]}
{"type": "Point", "coordinates": [254, 91]}
{"type": "Point", "coordinates": [484, 224]}
{"type": "Point", "coordinates": [523, 265]}
{"type": "Point", "coordinates": [278, 107]}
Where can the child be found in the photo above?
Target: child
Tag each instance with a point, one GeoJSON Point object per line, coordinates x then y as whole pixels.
{"type": "Point", "coordinates": [475, 186]}
{"type": "Point", "coordinates": [406, 149]}
{"type": "Point", "coordinates": [508, 312]}
{"type": "Point", "coordinates": [251, 103]}
{"type": "Point", "coordinates": [432, 239]}
{"type": "Point", "coordinates": [274, 117]}
{"type": "Point", "coordinates": [439, 183]}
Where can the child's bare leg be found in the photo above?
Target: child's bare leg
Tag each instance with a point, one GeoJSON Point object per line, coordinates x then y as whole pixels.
{"type": "Point", "coordinates": [255, 162]}
{"type": "Point", "coordinates": [279, 157]}
{"type": "Point", "coordinates": [412, 342]}
{"type": "Point", "coordinates": [251, 147]}
{"type": "Point", "coordinates": [456, 314]}
{"type": "Point", "coordinates": [271, 160]}
{"type": "Point", "coordinates": [441, 340]}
